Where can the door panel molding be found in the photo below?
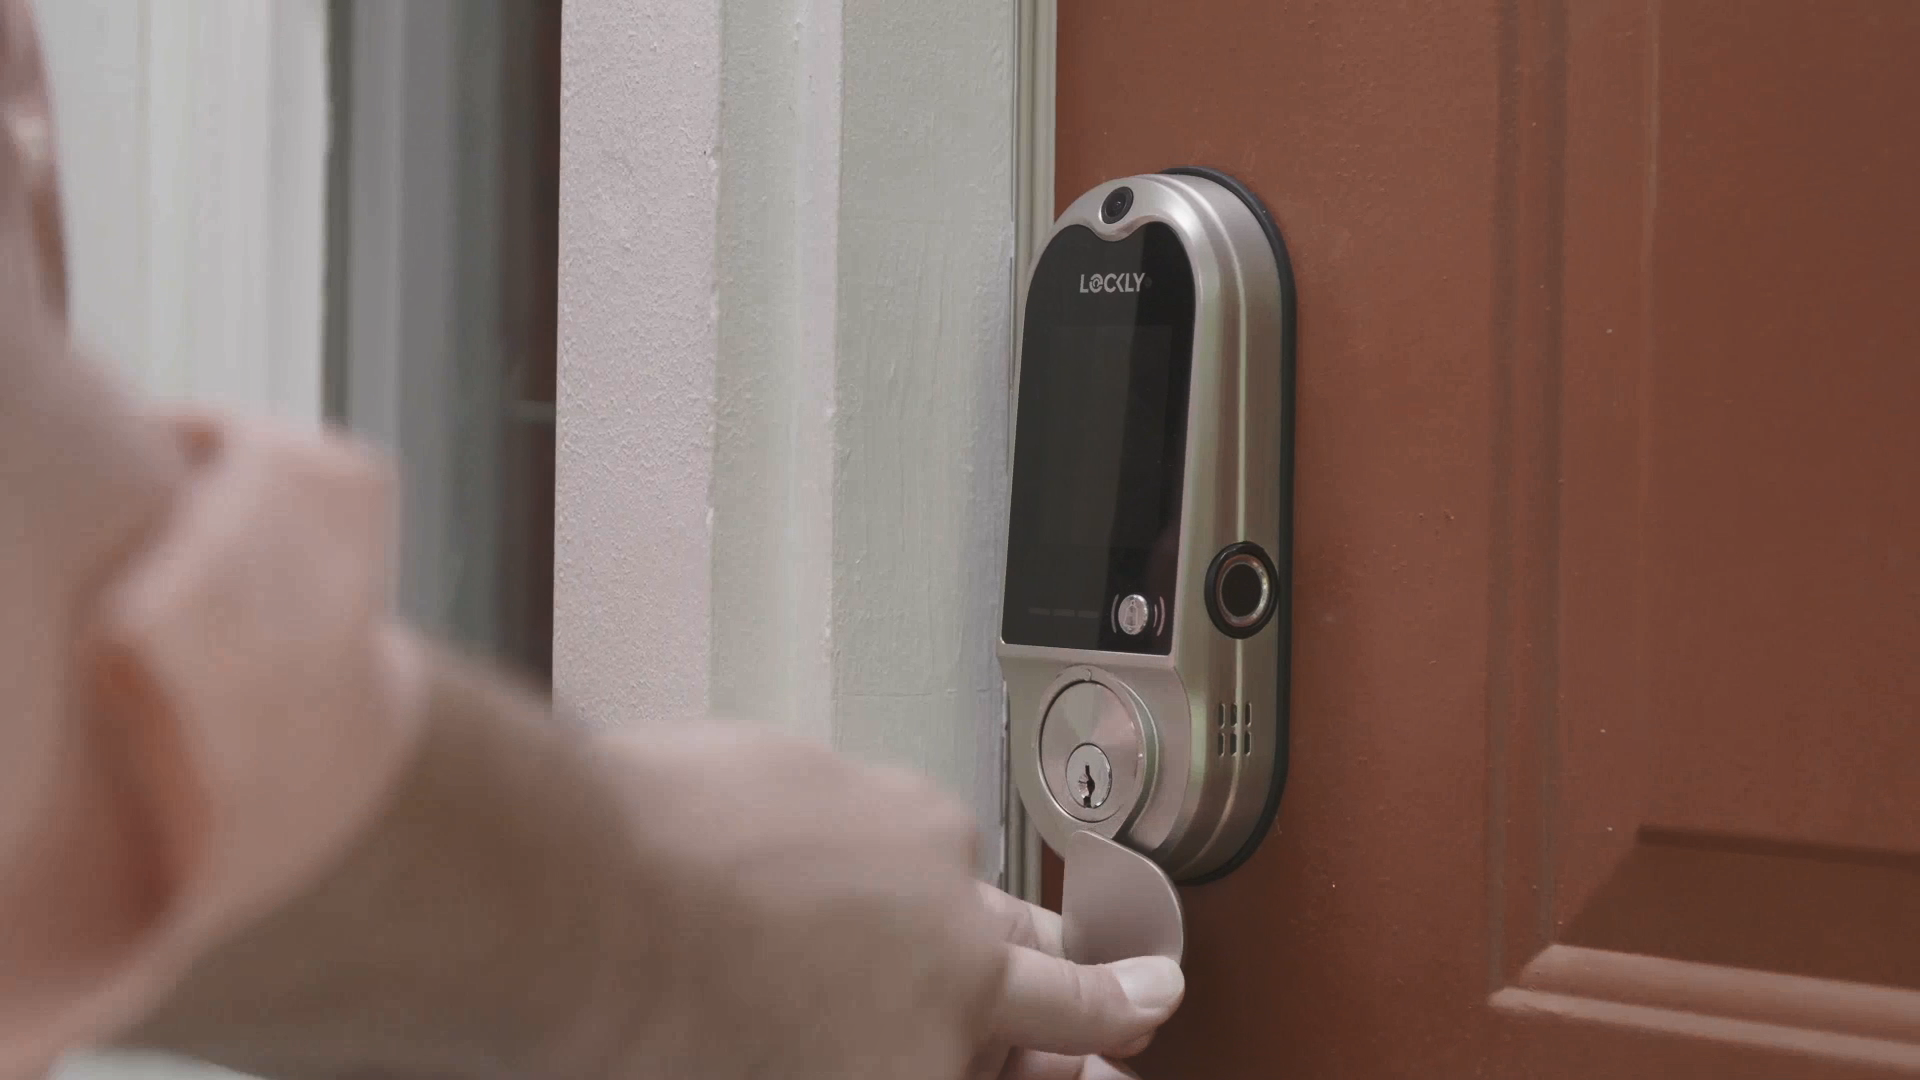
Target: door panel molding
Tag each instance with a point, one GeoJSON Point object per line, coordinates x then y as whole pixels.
{"type": "Point", "coordinates": [1525, 535]}
{"type": "Point", "coordinates": [1847, 1021]}
{"type": "Point", "coordinates": [1637, 877]}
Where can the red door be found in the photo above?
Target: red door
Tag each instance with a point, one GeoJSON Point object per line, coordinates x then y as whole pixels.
{"type": "Point", "coordinates": [1606, 717]}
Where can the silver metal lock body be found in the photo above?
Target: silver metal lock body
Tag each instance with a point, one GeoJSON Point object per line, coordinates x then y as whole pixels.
{"type": "Point", "coordinates": [1189, 722]}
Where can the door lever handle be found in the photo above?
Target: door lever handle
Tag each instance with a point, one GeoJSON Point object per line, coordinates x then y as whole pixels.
{"type": "Point", "coordinates": [1116, 903]}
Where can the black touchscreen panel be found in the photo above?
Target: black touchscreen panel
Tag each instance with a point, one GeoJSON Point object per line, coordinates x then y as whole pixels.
{"type": "Point", "coordinates": [1100, 440]}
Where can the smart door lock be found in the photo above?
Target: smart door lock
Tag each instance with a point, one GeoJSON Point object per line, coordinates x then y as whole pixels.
{"type": "Point", "coordinates": [1145, 627]}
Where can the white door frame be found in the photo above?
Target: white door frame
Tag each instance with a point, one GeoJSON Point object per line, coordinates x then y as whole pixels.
{"type": "Point", "coordinates": [787, 286]}
{"type": "Point", "coordinates": [1033, 213]}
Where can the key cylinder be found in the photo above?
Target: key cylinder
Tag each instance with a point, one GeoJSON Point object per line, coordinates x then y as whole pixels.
{"type": "Point", "coordinates": [1092, 751]}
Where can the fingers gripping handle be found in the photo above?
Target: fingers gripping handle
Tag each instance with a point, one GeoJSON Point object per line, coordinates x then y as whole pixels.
{"type": "Point", "coordinates": [1116, 903]}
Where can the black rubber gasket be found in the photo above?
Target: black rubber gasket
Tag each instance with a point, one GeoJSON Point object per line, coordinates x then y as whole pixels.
{"type": "Point", "coordinates": [1281, 618]}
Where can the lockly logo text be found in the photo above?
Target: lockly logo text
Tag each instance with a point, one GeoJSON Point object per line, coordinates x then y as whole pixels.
{"type": "Point", "coordinates": [1125, 283]}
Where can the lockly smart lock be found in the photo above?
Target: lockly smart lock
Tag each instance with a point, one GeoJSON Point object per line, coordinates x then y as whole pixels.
{"type": "Point", "coordinates": [1144, 633]}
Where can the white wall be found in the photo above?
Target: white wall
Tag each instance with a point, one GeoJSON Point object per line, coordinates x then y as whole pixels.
{"type": "Point", "coordinates": [786, 244]}
{"type": "Point", "coordinates": [192, 140]}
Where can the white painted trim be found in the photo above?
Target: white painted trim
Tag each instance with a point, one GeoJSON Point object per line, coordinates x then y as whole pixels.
{"type": "Point", "coordinates": [193, 138]}
{"type": "Point", "coordinates": [925, 319]}
{"type": "Point", "coordinates": [839, 397]}
{"type": "Point", "coordinates": [779, 299]}
{"type": "Point", "coordinates": [1033, 212]}
{"type": "Point", "coordinates": [1035, 65]}
{"type": "Point", "coordinates": [639, 191]}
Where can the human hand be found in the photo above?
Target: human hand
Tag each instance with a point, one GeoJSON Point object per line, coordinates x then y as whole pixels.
{"type": "Point", "coordinates": [1062, 1021]}
{"type": "Point", "coordinates": [796, 912]}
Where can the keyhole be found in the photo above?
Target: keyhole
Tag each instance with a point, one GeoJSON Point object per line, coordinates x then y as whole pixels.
{"type": "Point", "coordinates": [1085, 783]}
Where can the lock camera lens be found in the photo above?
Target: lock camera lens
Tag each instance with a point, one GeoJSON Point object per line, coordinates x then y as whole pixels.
{"type": "Point", "coordinates": [1117, 203]}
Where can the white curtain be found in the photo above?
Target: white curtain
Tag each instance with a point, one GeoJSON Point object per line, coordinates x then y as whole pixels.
{"type": "Point", "coordinates": [193, 145]}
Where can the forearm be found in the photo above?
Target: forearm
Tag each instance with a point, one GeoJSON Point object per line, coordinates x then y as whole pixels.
{"type": "Point", "coordinates": [465, 934]}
